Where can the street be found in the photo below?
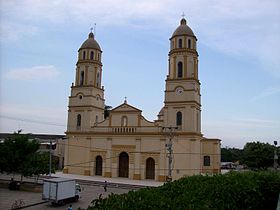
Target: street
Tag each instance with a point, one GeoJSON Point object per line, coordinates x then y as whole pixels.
{"type": "Point", "coordinates": [8, 198]}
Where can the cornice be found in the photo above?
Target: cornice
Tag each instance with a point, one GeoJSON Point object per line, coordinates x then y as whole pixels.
{"type": "Point", "coordinates": [87, 61]}
{"type": "Point", "coordinates": [112, 134]}
{"type": "Point", "coordinates": [86, 86]}
{"type": "Point", "coordinates": [182, 102]}
{"type": "Point", "coordinates": [85, 106]}
{"type": "Point", "coordinates": [182, 51]}
{"type": "Point", "coordinates": [182, 79]}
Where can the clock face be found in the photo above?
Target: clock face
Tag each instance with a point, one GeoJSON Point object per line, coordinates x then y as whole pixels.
{"type": "Point", "coordinates": [179, 91]}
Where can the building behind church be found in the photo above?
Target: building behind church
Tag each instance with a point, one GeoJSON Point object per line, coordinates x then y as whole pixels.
{"type": "Point", "coordinates": [125, 144]}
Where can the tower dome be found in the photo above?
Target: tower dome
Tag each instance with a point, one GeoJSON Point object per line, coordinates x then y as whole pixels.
{"type": "Point", "coordinates": [183, 29]}
{"type": "Point", "coordinates": [90, 43]}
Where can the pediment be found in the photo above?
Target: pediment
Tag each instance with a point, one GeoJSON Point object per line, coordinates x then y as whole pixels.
{"type": "Point", "coordinates": [125, 108]}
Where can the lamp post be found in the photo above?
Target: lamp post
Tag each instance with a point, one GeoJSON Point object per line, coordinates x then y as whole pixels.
{"type": "Point", "coordinates": [275, 164]}
{"type": "Point", "coordinates": [50, 161]}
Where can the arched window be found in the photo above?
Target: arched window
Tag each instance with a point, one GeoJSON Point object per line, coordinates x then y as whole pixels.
{"type": "Point", "coordinates": [96, 119]}
{"type": "Point", "coordinates": [97, 79]}
{"type": "Point", "coordinates": [206, 160]}
{"type": "Point", "coordinates": [84, 55]}
{"type": "Point", "coordinates": [180, 70]}
{"type": "Point", "coordinates": [91, 55]}
{"type": "Point", "coordinates": [189, 43]}
{"type": "Point", "coordinates": [179, 118]}
{"type": "Point", "coordinates": [82, 77]}
{"type": "Point", "coordinates": [124, 121]}
{"type": "Point", "coordinates": [98, 165]}
{"type": "Point", "coordinates": [79, 120]}
{"type": "Point", "coordinates": [180, 43]}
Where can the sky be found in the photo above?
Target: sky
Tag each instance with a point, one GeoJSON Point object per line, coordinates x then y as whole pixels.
{"type": "Point", "coordinates": [239, 61]}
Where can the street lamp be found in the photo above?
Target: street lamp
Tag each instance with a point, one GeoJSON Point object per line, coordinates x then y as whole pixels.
{"type": "Point", "coordinates": [275, 164]}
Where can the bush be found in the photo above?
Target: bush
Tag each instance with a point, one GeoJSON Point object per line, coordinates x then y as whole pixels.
{"type": "Point", "coordinates": [248, 190]}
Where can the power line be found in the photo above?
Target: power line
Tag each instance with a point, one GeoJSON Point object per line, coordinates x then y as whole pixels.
{"type": "Point", "coordinates": [152, 151]}
{"type": "Point", "coordinates": [32, 121]}
{"type": "Point", "coordinates": [110, 157]}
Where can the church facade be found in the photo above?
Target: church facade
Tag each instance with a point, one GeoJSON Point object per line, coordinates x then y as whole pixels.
{"type": "Point", "coordinates": [121, 142]}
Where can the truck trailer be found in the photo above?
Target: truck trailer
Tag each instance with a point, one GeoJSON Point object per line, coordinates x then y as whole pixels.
{"type": "Point", "coordinates": [60, 190]}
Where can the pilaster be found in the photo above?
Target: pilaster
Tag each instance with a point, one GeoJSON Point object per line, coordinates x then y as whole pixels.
{"type": "Point", "coordinates": [137, 164]}
{"type": "Point", "coordinates": [108, 165]}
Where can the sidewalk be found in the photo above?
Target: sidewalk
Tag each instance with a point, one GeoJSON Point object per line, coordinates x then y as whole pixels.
{"type": "Point", "coordinates": [150, 183]}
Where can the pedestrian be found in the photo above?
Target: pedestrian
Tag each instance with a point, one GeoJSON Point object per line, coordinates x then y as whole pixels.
{"type": "Point", "coordinates": [105, 186]}
{"type": "Point", "coordinates": [70, 207]}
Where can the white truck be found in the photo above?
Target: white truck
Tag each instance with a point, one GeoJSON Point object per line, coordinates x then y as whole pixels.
{"type": "Point", "coordinates": [60, 190]}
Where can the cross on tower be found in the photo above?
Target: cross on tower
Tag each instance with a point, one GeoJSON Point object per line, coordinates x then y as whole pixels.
{"type": "Point", "coordinates": [91, 29]}
{"type": "Point", "coordinates": [183, 15]}
{"type": "Point", "coordinates": [125, 101]}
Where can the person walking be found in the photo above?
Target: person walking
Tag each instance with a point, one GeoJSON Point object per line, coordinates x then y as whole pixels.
{"type": "Point", "coordinates": [70, 207]}
{"type": "Point", "coordinates": [105, 186]}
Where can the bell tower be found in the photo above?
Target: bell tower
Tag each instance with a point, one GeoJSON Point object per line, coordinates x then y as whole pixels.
{"type": "Point", "coordinates": [182, 91]}
{"type": "Point", "coordinates": [86, 102]}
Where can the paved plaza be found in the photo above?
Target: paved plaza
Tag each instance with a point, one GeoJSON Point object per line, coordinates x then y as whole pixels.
{"type": "Point", "coordinates": [89, 192]}
{"type": "Point", "coordinates": [8, 198]}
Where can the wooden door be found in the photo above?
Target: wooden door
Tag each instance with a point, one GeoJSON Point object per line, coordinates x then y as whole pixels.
{"type": "Point", "coordinates": [123, 165]}
{"type": "Point", "coordinates": [150, 168]}
{"type": "Point", "coordinates": [98, 166]}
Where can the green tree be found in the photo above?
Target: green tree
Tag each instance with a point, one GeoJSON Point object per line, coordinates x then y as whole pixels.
{"type": "Point", "coordinates": [258, 155]}
{"type": "Point", "coordinates": [231, 191]}
{"type": "Point", "coordinates": [231, 154]}
{"type": "Point", "coordinates": [37, 164]}
{"type": "Point", "coordinates": [16, 152]}
{"type": "Point", "coordinates": [107, 110]}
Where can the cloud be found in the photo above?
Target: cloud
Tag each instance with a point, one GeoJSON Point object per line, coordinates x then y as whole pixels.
{"type": "Point", "coordinates": [254, 122]}
{"type": "Point", "coordinates": [34, 73]}
{"type": "Point", "coordinates": [237, 131]}
{"type": "Point", "coordinates": [33, 113]}
{"type": "Point", "coordinates": [244, 123]}
{"type": "Point", "coordinates": [32, 118]}
{"type": "Point", "coordinates": [13, 31]}
{"type": "Point", "coordinates": [239, 28]}
{"type": "Point", "coordinates": [267, 93]}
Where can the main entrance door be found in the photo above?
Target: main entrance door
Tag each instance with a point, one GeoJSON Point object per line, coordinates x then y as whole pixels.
{"type": "Point", "coordinates": [150, 168]}
{"type": "Point", "coordinates": [98, 165]}
{"type": "Point", "coordinates": [123, 165]}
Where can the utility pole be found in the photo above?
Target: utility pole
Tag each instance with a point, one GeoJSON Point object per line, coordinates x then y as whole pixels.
{"type": "Point", "coordinates": [169, 132]}
{"type": "Point", "coordinates": [50, 163]}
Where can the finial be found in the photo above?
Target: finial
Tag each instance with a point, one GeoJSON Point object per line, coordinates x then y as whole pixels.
{"type": "Point", "coordinates": [91, 35]}
{"type": "Point", "coordinates": [183, 20]}
{"type": "Point", "coordinates": [183, 15]}
{"type": "Point", "coordinates": [125, 101]}
{"type": "Point", "coordinates": [94, 29]}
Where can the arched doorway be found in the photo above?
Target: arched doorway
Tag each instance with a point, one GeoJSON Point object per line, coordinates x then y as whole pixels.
{"type": "Point", "coordinates": [123, 165]}
{"type": "Point", "coordinates": [150, 168]}
{"type": "Point", "coordinates": [98, 165]}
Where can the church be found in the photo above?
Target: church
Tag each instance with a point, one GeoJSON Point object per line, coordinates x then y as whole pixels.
{"type": "Point", "coordinates": [121, 142]}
